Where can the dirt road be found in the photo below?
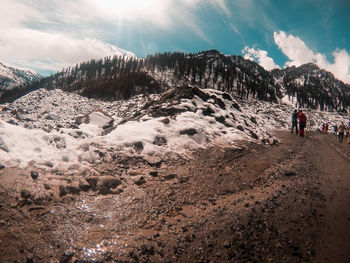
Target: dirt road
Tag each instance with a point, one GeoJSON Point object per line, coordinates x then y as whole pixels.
{"type": "Point", "coordinates": [288, 202]}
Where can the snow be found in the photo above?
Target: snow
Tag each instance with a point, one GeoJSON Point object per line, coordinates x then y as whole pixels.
{"type": "Point", "coordinates": [11, 77]}
{"type": "Point", "coordinates": [44, 133]}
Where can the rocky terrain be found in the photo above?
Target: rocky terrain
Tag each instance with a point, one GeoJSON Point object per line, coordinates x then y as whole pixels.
{"type": "Point", "coordinates": [278, 203]}
{"type": "Point", "coordinates": [186, 175]}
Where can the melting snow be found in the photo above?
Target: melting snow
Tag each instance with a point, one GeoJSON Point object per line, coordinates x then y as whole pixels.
{"type": "Point", "coordinates": [68, 144]}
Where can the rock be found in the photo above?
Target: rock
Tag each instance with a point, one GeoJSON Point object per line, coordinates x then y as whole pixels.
{"type": "Point", "coordinates": [240, 127]}
{"type": "Point", "coordinates": [71, 189]}
{"type": "Point", "coordinates": [153, 161]}
{"type": "Point", "coordinates": [34, 175]}
{"type": "Point", "coordinates": [133, 255]}
{"type": "Point", "coordinates": [220, 103]}
{"type": "Point", "coordinates": [138, 146]}
{"type": "Point", "coordinates": [3, 146]}
{"type": "Point", "coordinates": [106, 184]}
{"type": "Point", "coordinates": [25, 194]}
{"type": "Point", "coordinates": [59, 142]}
{"type": "Point", "coordinates": [170, 176]}
{"type": "Point", "coordinates": [153, 173]}
{"type": "Point", "coordinates": [253, 120]}
{"type": "Point", "coordinates": [141, 181]}
{"type": "Point", "coordinates": [62, 190]}
{"type": "Point", "coordinates": [227, 96]}
{"type": "Point", "coordinates": [92, 182]}
{"type": "Point", "coordinates": [160, 141]}
{"type": "Point", "coordinates": [220, 119]}
{"type": "Point", "coordinates": [47, 186]}
{"type": "Point", "coordinates": [165, 120]}
{"type": "Point", "coordinates": [253, 135]}
{"type": "Point", "coordinates": [84, 185]}
{"type": "Point", "coordinates": [189, 132]}
{"type": "Point", "coordinates": [2, 166]}
{"type": "Point", "coordinates": [147, 249]}
{"type": "Point", "coordinates": [208, 111]}
{"type": "Point", "coordinates": [289, 173]}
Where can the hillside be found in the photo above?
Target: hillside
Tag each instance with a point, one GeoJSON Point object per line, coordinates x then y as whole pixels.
{"type": "Point", "coordinates": [137, 163]}
{"type": "Point", "coordinates": [310, 86]}
{"type": "Point", "coordinates": [11, 77]}
{"type": "Point", "coordinates": [114, 78]}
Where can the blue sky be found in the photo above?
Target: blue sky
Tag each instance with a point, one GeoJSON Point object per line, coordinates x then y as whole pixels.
{"type": "Point", "coordinates": [47, 35]}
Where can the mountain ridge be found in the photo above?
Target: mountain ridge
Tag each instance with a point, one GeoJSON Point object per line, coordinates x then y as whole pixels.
{"type": "Point", "coordinates": [12, 77]}
{"type": "Point", "coordinates": [304, 86]}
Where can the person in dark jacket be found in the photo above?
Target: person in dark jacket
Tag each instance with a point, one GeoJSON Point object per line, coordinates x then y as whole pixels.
{"type": "Point", "coordinates": [302, 123]}
{"type": "Point", "coordinates": [295, 122]}
{"type": "Point", "coordinates": [341, 129]}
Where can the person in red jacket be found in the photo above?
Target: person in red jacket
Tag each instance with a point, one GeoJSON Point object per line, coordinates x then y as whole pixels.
{"type": "Point", "coordinates": [302, 123]}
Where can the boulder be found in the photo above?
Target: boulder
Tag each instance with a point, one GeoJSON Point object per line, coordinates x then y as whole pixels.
{"type": "Point", "coordinates": [96, 117]}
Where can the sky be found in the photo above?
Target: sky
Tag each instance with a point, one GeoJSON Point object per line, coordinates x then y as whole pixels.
{"type": "Point", "coordinates": [48, 35]}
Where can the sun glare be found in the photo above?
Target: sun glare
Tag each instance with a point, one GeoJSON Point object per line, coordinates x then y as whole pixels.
{"type": "Point", "coordinates": [126, 7]}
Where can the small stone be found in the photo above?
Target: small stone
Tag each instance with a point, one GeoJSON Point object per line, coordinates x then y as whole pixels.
{"type": "Point", "coordinates": [141, 181]}
{"type": "Point", "coordinates": [165, 120]}
{"type": "Point", "coordinates": [170, 176]}
{"type": "Point", "coordinates": [289, 173]}
{"type": "Point", "coordinates": [153, 173]}
{"type": "Point", "coordinates": [189, 132]}
{"type": "Point", "coordinates": [138, 146]}
{"type": "Point", "coordinates": [2, 166]}
{"type": "Point", "coordinates": [34, 175]}
{"type": "Point", "coordinates": [160, 141]}
{"type": "Point", "coordinates": [26, 194]}
{"type": "Point", "coordinates": [227, 244]}
{"type": "Point", "coordinates": [62, 191]}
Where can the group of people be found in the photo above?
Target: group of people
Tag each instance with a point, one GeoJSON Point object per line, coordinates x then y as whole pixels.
{"type": "Point", "coordinates": [298, 115]}
{"type": "Point", "coordinates": [342, 129]}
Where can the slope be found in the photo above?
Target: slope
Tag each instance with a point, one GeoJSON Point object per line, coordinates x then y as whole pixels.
{"type": "Point", "coordinates": [255, 203]}
{"type": "Point", "coordinates": [11, 77]}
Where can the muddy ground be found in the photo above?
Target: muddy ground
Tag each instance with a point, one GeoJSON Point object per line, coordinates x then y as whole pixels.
{"type": "Point", "coordinates": [289, 202]}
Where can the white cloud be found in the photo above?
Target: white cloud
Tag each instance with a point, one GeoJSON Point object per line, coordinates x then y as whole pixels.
{"type": "Point", "coordinates": [51, 51]}
{"type": "Point", "coordinates": [222, 5]}
{"type": "Point", "coordinates": [261, 56]}
{"type": "Point", "coordinates": [298, 53]}
{"type": "Point", "coordinates": [53, 33]}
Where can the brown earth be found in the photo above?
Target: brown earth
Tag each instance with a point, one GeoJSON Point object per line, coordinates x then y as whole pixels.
{"type": "Point", "coordinates": [289, 202]}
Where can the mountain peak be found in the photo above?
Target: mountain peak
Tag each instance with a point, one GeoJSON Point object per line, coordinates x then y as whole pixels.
{"type": "Point", "coordinates": [11, 77]}
{"type": "Point", "coordinates": [211, 52]}
{"type": "Point", "coordinates": [309, 66]}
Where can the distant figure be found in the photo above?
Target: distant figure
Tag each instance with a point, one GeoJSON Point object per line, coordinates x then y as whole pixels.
{"type": "Point", "coordinates": [335, 129]}
{"type": "Point", "coordinates": [326, 127]}
{"type": "Point", "coordinates": [295, 122]}
{"type": "Point", "coordinates": [341, 130]}
{"type": "Point", "coordinates": [302, 123]}
{"type": "Point", "coordinates": [323, 127]}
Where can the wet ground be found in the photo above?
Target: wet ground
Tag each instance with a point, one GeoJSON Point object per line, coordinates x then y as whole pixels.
{"type": "Point", "coordinates": [289, 202]}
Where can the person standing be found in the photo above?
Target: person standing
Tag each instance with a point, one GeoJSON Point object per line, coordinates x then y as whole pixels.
{"type": "Point", "coordinates": [295, 122]}
{"type": "Point", "coordinates": [341, 130]}
{"type": "Point", "coordinates": [302, 123]}
{"type": "Point", "coordinates": [335, 129]}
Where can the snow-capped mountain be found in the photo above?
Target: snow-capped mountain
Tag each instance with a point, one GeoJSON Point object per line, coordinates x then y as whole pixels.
{"type": "Point", "coordinates": [11, 77]}
{"type": "Point", "coordinates": [310, 86]}
{"type": "Point", "coordinates": [58, 130]}
{"type": "Point", "coordinates": [122, 77]}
